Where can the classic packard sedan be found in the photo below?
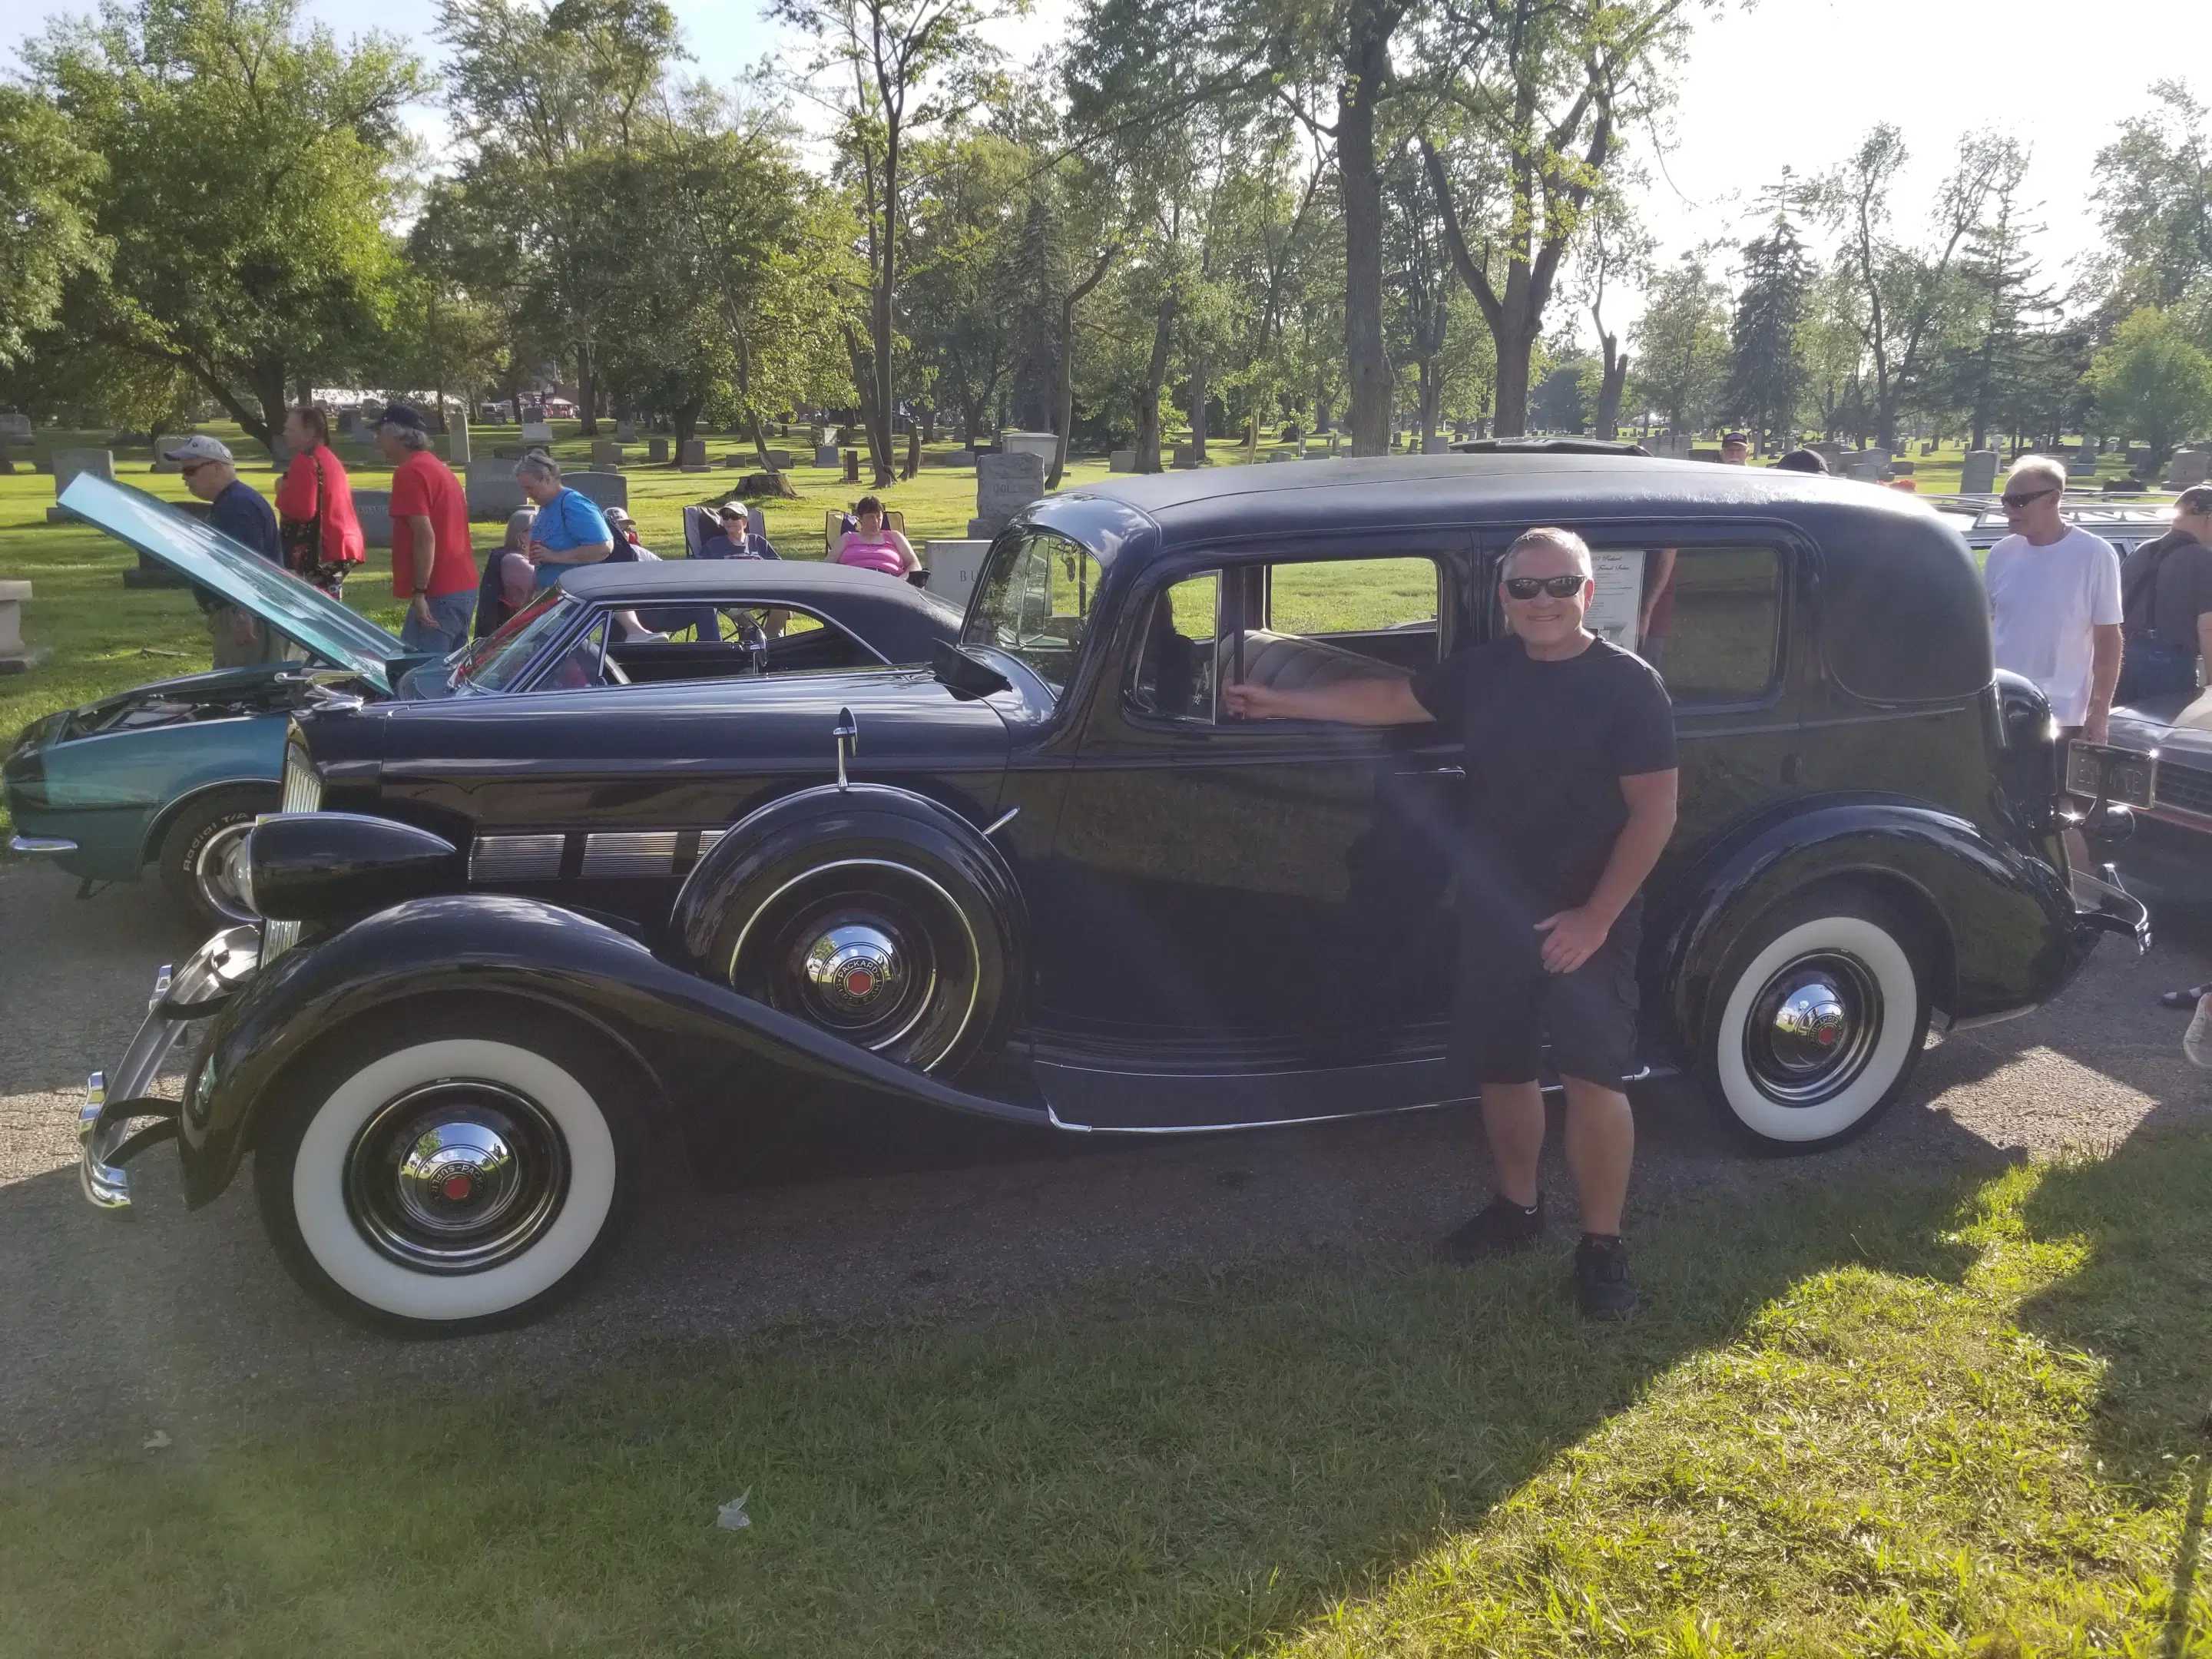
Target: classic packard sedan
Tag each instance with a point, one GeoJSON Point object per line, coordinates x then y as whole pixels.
{"type": "Point", "coordinates": [524, 957]}
{"type": "Point", "coordinates": [171, 776]}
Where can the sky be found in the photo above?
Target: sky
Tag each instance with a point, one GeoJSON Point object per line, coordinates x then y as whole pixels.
{"type": "Point", "coordinates": [1784, 82]}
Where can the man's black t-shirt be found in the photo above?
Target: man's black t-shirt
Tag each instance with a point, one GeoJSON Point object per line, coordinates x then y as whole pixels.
{"type": "Point", "coordinates": [1547, 744]}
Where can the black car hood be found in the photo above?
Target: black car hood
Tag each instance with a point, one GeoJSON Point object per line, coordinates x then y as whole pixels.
{"type": "Point", "coordinates": [2177, 723]}
{"type": "Point", "coordinates": [906, 720]}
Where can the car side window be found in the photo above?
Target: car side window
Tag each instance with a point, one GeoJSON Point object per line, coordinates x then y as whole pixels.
{"type": "Point", "coordinates": [581, 664]}
{"type": "Point", "coordinates": [1176, 676]}
{"type": "Point", "coordinates": [1707, 618]}
{"type": "Point", "coordinates": [1337, 599]}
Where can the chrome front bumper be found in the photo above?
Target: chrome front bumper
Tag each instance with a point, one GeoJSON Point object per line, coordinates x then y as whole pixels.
{"type": "Point", "coordinates": [39, 844]}
{"type": "Point", "coordinates": [104, 1127]}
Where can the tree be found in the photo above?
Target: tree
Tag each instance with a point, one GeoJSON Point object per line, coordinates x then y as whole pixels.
{"type": "Point", "coordinates": [1832, 349]}
{"type": "Point", "coordinates": [1766, 373]}
{"type": "Point", "coordinates": [1995, 375]}
{"type": "Point", "coordinates": [266, 261]}
{"type": "Point", "coordinates": [1532, 119]}
{"type": "Point", "coordinates": [1613, 247]}
{"type": "Point", "coordinates": [2154, 192]}
{"type": "Point", "coordinates": [1906, 291]}
{"type": "Point", "coordinates": [2154, 381]}
{"type": "Point", "coordinates": [1682, 347]}
{"type": "Point", "coordinates": [895, 65]}
{"type": "Point", "coordinates": [46, 236]}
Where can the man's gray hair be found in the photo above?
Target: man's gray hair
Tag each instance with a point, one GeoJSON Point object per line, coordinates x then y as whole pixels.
{"type": "Point", "coordinates": [544, 466]}
{"type": "Point", "coordinates": [413, 437]}
{"type": "Point", "coordinates": [2038, 466]}
{"type": "Point", "coordinates": [1550, 536]}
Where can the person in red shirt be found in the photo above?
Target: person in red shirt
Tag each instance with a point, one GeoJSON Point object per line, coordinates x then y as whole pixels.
{"type": "Point", "coordinates": [433, 566]}
{"type": "Point", "coordinates": [314, 506]}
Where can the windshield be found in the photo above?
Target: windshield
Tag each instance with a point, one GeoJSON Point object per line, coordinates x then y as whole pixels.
{"type": "Point", "coordinates": [1037, 602]}
{"type": "Point", "coordinates": [493, 663]}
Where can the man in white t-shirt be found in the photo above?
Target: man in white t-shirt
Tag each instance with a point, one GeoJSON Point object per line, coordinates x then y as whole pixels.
{"type": "Point", "coordinates": [2055, 607]}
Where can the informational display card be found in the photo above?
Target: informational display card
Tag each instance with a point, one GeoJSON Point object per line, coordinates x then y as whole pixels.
{"type": "Point", "coordinates": [1617, 606]}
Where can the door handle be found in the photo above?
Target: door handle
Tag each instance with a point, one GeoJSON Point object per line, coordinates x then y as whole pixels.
{"type": "Point", "coordinates": [1458, 772]}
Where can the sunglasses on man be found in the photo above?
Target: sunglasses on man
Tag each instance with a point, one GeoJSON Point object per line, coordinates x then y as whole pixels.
{"type": "Point", "coordinates": [191, 467]}
{"type": "Point", "coordinates": [1559, 587]}
{"type": "Point", "coordinates": [2016, 500]}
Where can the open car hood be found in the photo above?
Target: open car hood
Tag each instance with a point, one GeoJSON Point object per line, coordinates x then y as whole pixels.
{"type": "Point", "coordinates": [213, 560]}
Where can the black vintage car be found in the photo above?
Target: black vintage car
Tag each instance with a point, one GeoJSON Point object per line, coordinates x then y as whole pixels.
{"type": "Point", "coordinates": [518, 949]}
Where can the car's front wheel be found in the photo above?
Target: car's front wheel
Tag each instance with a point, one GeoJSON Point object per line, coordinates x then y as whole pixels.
{"type": "Point", "coordinates": [445, 1175]}
{"type": "Point", "coordinates": [1816, 1020]}
{"type": "Point", "coordinates": [202, 855]}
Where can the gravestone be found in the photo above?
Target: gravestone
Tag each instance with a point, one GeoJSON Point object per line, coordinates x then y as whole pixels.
{"type": "Point", "coordinates": [1979, 475]}
{"type": "Point", "coordinates": [15, 428]}
{"type": "Point", "coordinates": [1903, 469]}
{"type": "Point", "coordinates": [604, 453]}
{"type": "Point", "coordinates": [1831, 450]}
{"type": "Point", "coordinates": [1334, 439]}
{"type": "Point", "coordinates": [68, 463]}
{"type": "Point", "coordinates": [625, 432]}
{"type": "Point", "coordinates": [1122, 461]}
{"type": "Point", "coordinates": [13, 659]}
{"type": "Point", "coordinates": [1043, 444]}
{"type": "Point", "coordinates": [351, 428]}
{"type": "Point", "coordinates": [373, 508]}
{"type": "Point", "coordinates": [458, 452]}
{"type": "Point", "coordinates": [656, 450]}
{"type": "Point", "coordinates": [779, 460]}
{"type": "Point", "coordinates": [693, 455]}
{"type": "Point", "coordinates": [1186, 456]}
{"type": "Point", "coordinates": [954, 563]}
{"type": "Point", "coordinates": [492, 492]}
{"type": "Point", "coordinates": [825, 454]}
{"type": "Point", "coordinates": [1436, 446]}
{"type": "Point", "coordinates": [1004, 485]}
{"type": "Point", "coordinates": [1928, 448]}
{"type": "Point", "coordinates": [2185, 472]}
{"type": "Point", "coordinates": [537, 432]}
{"type": "Point", "coordinates": [1864, 465]}
{"type": "Point", "coordinates": [602, 488]}
{"type": "Point", "coordinates": [1281, 455]}
{"type": "Point", "coordinates": [852, 466]}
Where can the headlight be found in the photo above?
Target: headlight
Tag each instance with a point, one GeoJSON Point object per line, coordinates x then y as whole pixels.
{"type": "Point", "coordinates": [327, 866]}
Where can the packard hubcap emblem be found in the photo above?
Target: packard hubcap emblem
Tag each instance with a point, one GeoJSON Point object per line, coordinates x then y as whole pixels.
{"type": "Point", "coordinates": [852, 970]}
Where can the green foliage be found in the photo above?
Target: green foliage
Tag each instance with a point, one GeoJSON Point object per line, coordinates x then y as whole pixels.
{"type": "Point", "coordinates": [46, 237]}
{"type": "Point", "coordinates": [2154, 192]}
{"type": "Point", "coordinates": [1766, 369]}
{"type": "Point", "coordinates": [1681, 347]}
{"type": "Point", "coordinates": [249, 168]}
{"type": "Point", "coordinates": [2154, 381]}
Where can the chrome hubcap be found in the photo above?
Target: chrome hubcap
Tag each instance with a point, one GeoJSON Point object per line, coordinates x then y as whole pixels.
{"type": "Point", "coordinates": [853, 970]}
{"type": "Point", "coordinates": [220, 871]}
{"type": "Point", "coordinates": [1813, 1027]}
{"type": "Point", "coordinates": [457, 1177]}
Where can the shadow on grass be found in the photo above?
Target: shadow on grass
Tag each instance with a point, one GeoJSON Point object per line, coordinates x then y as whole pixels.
{"type": "Point", "coordinates": [1197, 1461]}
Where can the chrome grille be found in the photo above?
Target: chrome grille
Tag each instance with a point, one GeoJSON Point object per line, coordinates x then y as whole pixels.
{"type": "Point", "coordinates": [2188, 787]}
{"type": "Point", "coordinates": [276, 938]}
{"type": "Point", "coordinates": [303, 784]}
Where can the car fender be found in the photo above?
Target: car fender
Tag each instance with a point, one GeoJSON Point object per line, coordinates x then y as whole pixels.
{"type": "Point", "coordinates": [1982, 900]}
{"type": "Point", "coordinates": [692, 1042]}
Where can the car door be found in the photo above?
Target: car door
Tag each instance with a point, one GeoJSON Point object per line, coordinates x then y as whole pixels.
{"type": "Point", "coordinates": [1257, 900]}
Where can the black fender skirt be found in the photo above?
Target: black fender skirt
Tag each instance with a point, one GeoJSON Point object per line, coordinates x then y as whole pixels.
{"type": "Point", "coordinates": [2003, 919]}
{"type": "Point", "coordinates": [724, 1072]}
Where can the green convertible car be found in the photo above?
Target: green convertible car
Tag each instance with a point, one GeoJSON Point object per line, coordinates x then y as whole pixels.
{"type": "Point", "coordinates": [174, 774]}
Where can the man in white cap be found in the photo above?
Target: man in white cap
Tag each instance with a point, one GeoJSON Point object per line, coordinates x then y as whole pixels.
{"type": "Point", "coordinates": [234, 508]}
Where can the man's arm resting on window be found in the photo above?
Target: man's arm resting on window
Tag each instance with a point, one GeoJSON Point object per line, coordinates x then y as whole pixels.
{"type": "Point", "coordinates": [1572, 937]}
{"type": "Point", "coordinates": [1377, 701]}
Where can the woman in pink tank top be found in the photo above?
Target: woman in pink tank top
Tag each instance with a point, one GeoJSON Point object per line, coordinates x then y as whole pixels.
{"type": "Point", "coordinates": [874, 545]}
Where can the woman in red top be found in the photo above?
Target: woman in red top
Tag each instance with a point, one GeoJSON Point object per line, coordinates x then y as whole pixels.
{"type": "Point", "coordinates": [314, 506]}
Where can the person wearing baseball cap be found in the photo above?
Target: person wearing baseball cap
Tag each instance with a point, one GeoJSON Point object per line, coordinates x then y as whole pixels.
{"type": "Point", "coordinates": [434, 568]}
{"type": "Point", "coordinates": [1736, 449]}
{"type": "Point", "coordinates": [237, 637]}
{"type": "Point", "coordinates": [738, 540]}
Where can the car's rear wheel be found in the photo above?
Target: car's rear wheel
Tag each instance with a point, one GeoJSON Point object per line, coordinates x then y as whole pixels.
{"type": "Point", "coordinates": [449, 1174]}
{"type": "Point", "coordinates": [1816, 1020]}
{"type": "Point", "coordinates": [202, 855]}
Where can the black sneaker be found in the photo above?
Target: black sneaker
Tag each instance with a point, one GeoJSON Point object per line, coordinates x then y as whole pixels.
{"type": "Point", "coordinates": [1500, 1227]}
{"type": "Point", "coordinates": [1602, 1281]}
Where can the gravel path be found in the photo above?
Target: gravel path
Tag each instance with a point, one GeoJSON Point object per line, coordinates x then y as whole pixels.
{"type": "Point", "coordinates": [110, 1327]}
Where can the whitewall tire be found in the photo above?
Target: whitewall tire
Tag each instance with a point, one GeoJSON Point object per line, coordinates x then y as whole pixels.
{"type": "Point", "coordinates": [447, 1182]}
{"type": "Point", "coordinates": [1817, 1021]}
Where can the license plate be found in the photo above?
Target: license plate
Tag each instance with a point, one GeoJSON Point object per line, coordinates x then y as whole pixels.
{"type": "Point", "coordinates": [2102, 773]}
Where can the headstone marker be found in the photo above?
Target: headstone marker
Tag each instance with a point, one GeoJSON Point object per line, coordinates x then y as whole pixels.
{"type": "Point", "coordinates": [656, 450]}
{"type": "Point", "coordinates": [1436, 445]}
{"type": "Point", "coordinates": [1122, 461]}
{"type": "Point", "coordinates": [604, 453]}
{"type": "Point", "coordinates": [954, 564]}
{"type": "Point", "coordinates": [825, 454]}
{"type": "Point", "coordinates": [852, 466]}
{"type": "Point", "coordinates": [492, 491]}
{"type": "Point", "coordinates": [537, 432]}
{"type": "Point", "coordinates": [458, 452]}
{"type": "Point", "coordinates": [15, 428]}
{"type": "Point", "coordinates": [602, 488]}
{"type": "Point", "coordinates": [1186, 456]}
{"type": "Point", "coordinates": [1044, 445]}
{"type": "Point", "coordinates": [693, 455]}
{"type": "Point", "coordinates": [779, 460]}
{"type": "Point", "coordinates": [13, 659]}
{"type": "Point", "coordinates": [2186, 471]}
{"type": "Point", "coordinates": [625, 432]}
{"type": "Point", "coordinates": [1004, 485]}
{"type": "Point", "coordinates": [68, 463]}
{"type": "Point", "coordinates": [373, 508]}
{"type": "Point", "coordinates": [1978, 475]}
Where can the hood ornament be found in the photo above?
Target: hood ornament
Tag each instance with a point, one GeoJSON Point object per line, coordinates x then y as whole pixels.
{"type": "Point", "coordinates": [847, 731]}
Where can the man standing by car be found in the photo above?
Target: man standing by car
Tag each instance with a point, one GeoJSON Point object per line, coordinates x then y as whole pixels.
{"type": "Point", "coordinates": [1570, 746]}
{"type": "Point", "coordinates": [2055, 609]}
{"type": "Point", "coordinates": [433, 566]}
{"type": "Point", "coordinates": [237, 638]}
{"type": "Point", "coordinates": [2165, 603]}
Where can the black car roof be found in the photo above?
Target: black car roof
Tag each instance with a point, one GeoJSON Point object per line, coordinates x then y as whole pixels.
{"type": "Point", "coordinates": [1904, 614]}
{"type": "Point", "coordinates": [896, 618]}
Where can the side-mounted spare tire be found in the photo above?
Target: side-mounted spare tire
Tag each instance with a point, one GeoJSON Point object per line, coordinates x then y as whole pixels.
{"type": "Point", "coordinates": [876, 914]}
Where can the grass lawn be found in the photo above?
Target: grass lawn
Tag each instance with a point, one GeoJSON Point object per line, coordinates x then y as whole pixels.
{"type": "Point", "coordinates": [1905, 1419]}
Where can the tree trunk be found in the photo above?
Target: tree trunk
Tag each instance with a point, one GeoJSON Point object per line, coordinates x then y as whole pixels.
{"type": "Point", "coordinates": [686, 422]}
{"type": "Point", "coordinates": [1610, 387]}
{"type": "Point", "coordinates": [1199, 392]}
{"type": "Point", "coordinates": [1515, 348]}
{"type": "Point", "coordinates": [588, 386]}
{"type": "Point", "coordinates": [1367, 69]}
{"type": "Point", "coordinates": [1156, 379]}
